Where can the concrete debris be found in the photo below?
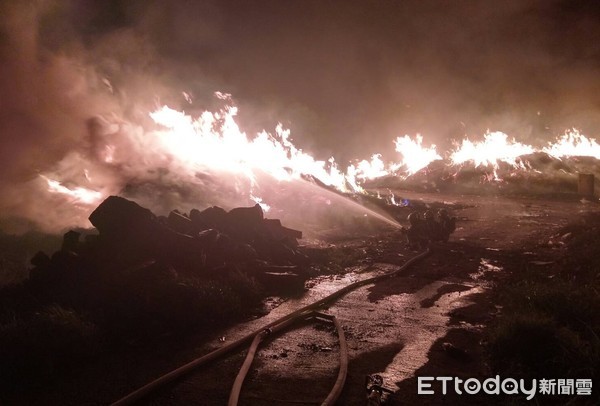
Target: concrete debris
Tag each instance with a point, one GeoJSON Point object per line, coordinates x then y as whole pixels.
{"type": "Point", "coordinates": [205, 241]}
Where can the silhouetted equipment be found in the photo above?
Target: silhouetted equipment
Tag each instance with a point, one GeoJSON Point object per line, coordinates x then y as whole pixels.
{"type": "Point", "coordinates": [585, 186]}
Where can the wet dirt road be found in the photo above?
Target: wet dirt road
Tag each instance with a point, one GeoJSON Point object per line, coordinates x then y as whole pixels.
{"type": "Point", "coordinates": [426, 321]}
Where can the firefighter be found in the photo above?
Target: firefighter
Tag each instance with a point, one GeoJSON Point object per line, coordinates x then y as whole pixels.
{"type": "Point", "coordinates": [431, 226]}
{"type": "Point", "coordinates": [416, 234]}
{"type": "Point", "coordinates": [447, 225]}
{"type": "Point", "coordinates": [428, 228]}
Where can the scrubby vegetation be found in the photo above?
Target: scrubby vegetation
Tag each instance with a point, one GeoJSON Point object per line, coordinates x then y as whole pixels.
{"type": "Point", "coordinates": [47, 330]}
{"type": "Point", "coordinates": [550, 321]}
{"type": "Point", "coordinates": [37, 347]}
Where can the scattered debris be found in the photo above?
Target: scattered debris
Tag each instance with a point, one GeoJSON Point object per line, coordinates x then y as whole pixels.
{"type": "Point", "coordinates": [566, 236]}
{"type": "Point", "coordinates": [541, 262]}
{"type": "Point", "coordinates": [210, 242]}
{"type": "Point", "coordinates": [485, 267]}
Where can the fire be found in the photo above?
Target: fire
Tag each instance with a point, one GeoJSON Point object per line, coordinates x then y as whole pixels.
{"type": "Point", "coordinates": [213, 142]}
{"type": "Point", "coordinates": [264, 206]}
{"type": "Point", "coordinates": [364, 170]}
{"type": "Point", "coordinates": [573, 143]}
{"type": "Point", "coordinates": [78, 194]}
{"type": "Point", "coordinates": [372, 169]}
{"type": "Point", "coordinates": [493, 149]}
{"type": "Point", "coordinates": [414, 156]}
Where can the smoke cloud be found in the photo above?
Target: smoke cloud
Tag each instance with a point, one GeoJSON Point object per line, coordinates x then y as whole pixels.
{"type": "Point", "coordinates": [346, 77]}
{"type": "Point", "coordinates": [54, 91]}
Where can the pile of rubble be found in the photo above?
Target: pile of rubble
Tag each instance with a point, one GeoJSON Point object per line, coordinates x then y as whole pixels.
{"type": "Point", "coordinates": [201, 243]}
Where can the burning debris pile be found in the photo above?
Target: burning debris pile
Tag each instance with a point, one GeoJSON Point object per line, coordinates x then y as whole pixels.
{"type": "Point", "coordinates": [179, 159]}
{"type": "Point", "coordinates": [498, 164]}
{"type": "Point", "coordinates": [533, 174]}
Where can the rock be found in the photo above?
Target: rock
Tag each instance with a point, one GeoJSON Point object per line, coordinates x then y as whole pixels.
{"type": "Point", "coordinates": [279, 232]}
{"type": "Point", "coordinates": [213, 217]}
{"type": "Point", "coordinates": [455, 352]}
{"type": "Point", "coordinates": [70, 241]}
{"type": "Point", "coordinates": [118, 216]}
{"type": "Point", "coordinates": [180, 223]}
{"type": "Point", "coordinates": [207, 239]}
{"type": "Point", "coordinates": [246, 216]}
{"type": "Point", "coordinates": [40, 259]}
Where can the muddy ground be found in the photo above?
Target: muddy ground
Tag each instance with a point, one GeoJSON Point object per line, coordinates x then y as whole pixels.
{"type": "Point", "coordinates": [428, 321]}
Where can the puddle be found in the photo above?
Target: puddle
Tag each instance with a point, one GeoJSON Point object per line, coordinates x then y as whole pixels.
{"type": "Point", "coordinates": [420, 327]}
{"type": "Point", "coordinates": [320, 287]}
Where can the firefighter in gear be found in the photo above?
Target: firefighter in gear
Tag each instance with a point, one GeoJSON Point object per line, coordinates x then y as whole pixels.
{"type": "Point", "coordinates": [428, 228]}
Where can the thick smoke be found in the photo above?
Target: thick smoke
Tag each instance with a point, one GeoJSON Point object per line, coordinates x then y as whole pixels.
{"type": "Point", "coordinates": [358, 74]}
{"type": "Point", "coordinates": [346, 76]}
{"type": "Point", "coordinates": [63, 97]}
{"type": "Point", "coordinates": [45, 100]}
{"type": "Point", "coordinates": [77, 103]}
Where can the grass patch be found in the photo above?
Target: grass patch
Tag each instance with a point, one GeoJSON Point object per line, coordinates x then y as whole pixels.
{"type": "Point", "coordinates": [550, 322]}
{"type": "Point", "coordinates": [47, 330]}
{"type": "Point", "coordinates": [37, 348]}
{"type": "Point", "coordinates": [534, 345]}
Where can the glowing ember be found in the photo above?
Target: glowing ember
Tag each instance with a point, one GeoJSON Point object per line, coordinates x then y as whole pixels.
{"type": "Point", "coordinates": [414, 156]}
{"type": "Point", "coordinates": [493, 149]}
{"type": "Point", "coordinates": [572, 143]}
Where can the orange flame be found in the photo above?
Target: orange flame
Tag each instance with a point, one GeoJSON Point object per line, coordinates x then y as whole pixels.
{"type": "Point", "coordinates": [573, 143]}
{"type": "Point", "coordinates": [214, 141]}
{"type": "Point", "coordinates": [414, 156]}
{"type": "Point", "coordinates": [493, 149]}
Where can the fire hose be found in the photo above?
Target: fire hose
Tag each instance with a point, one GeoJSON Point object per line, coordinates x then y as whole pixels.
{"type": "Point", "coordinates": [337, 387]}
{"type": "Point", "coordinates": [258, 335]}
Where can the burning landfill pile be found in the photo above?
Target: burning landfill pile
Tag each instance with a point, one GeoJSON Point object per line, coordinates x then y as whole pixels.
{"type": "Point", "coordinates": [506, 166]}
{"type": "Point", "coordinates": [184, 161]}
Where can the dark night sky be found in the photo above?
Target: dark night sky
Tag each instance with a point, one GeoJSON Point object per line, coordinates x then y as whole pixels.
{"type": "Point", "coordinates": [347, 76]}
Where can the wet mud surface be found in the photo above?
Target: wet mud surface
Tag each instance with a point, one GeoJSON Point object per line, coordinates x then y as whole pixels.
{"type": "Point", "coordinates": [427, 321]}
